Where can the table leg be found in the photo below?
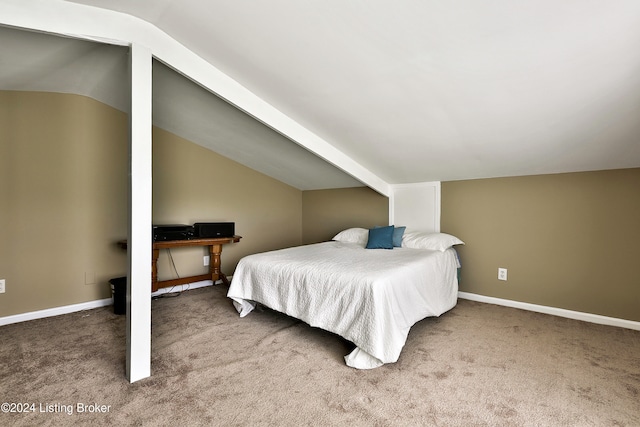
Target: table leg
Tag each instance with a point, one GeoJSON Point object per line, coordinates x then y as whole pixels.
{"type": "Point", "coordinates": [224, 279]}
{"type": "Point", "coordinates": [214, 268]}
{"type": "Point", "coordinates": [154, 270]}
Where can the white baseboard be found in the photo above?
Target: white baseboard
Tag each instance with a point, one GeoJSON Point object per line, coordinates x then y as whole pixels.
{"type": "Point", "coordinates": [576, 315]}
{"type": "Point", "coordinates": [57, 311]}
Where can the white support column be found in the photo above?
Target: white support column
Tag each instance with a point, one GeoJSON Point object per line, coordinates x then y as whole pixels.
{"type": "Point", "coordinates": [139, 234]}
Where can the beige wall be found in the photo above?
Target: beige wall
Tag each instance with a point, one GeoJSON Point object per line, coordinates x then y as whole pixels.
{"type": "Point", "coordinates": [63, 200]}
{"type": "Point", "coordinates": [568, 240]}
{"type": "Point", "coordinates": [193, 184]}
{"type": "Point", "coordinates": [326, 212]}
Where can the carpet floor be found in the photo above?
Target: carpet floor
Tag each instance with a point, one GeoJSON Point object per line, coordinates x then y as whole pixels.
{"type": "Point", "coordinates": [477, 365]}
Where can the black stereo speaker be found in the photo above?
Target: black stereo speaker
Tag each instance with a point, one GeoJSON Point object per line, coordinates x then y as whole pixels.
{"type": "Point", "coordinates": [214, 229]}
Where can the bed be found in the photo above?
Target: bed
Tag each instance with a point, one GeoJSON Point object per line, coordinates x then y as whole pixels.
{"type": "Point", "coordinates": [368, 295]}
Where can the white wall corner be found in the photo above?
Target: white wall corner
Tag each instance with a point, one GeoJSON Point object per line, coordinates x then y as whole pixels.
{"type": "Point", "coordinates": [416, 206]}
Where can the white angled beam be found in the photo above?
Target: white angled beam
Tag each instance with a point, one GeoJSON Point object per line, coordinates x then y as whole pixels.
{"type": "Point", "coordinates": [81, 21]}
{"type": "Point", "coordinates": [139, 233]}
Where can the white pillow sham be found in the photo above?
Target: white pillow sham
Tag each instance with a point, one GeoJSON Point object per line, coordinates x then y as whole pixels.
{"type": "Point", "coordinates": [433, 241]}
{"type": "Point", "coordinates": [353, 235]}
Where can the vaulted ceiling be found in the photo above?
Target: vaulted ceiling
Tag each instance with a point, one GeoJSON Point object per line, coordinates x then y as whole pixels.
{"type": "Point", "coordinates": [32, 61]}
{"type": "Point", "coordinates": [414, 90]}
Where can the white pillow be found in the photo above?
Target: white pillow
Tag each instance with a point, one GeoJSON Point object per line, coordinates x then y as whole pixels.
{"type": "Point", "coordinates": [433, 241]}
{"type": "Point", "coordinates": [353, 235]}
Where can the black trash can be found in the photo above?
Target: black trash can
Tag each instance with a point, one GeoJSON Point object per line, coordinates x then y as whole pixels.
{"type": "Point", "coordinates": [119, 292]}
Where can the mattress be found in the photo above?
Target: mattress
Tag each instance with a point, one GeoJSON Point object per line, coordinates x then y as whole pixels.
{"type": "Point", "coordinates": [370, 297]}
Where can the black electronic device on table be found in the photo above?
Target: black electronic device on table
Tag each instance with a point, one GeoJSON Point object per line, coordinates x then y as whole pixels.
{"type": "Point", "coordinates": [213, 229]}
{"type": "Point", "coordinates": [163, 232]}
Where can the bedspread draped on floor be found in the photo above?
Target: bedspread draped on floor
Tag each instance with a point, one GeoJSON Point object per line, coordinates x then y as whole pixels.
{"type": "Point", "coordinates": [370, 297]}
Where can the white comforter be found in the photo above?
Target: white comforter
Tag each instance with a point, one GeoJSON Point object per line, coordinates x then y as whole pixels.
{"type": "Point", "coordinates": [371, 297]}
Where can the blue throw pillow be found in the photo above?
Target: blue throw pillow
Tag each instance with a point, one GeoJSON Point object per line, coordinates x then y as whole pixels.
{"type": "Point", "coordinates": [398, 232]}
{"type": "Point", "coordinates": [380, 238]}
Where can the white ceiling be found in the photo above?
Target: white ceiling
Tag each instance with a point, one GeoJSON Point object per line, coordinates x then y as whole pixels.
{"type": "Point", "coordinates": [34, 61]}
{"type": "Point", "coordinates": [184, 108]}
{"type": "Point", "coordinates": [418, 90]}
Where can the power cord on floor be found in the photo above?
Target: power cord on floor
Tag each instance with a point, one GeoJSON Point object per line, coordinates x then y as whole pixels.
{"type": "Point", "coordinates": [170, 294]}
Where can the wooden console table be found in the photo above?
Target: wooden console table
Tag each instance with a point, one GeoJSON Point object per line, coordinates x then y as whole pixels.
{"type": "Point", "coordinates": [215, 249]}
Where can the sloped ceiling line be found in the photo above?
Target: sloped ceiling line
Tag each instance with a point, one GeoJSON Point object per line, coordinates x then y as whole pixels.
{"type": "Point", "coordinates": [89, 23]}
{"type": "Point", "coordinates": [405, 91]}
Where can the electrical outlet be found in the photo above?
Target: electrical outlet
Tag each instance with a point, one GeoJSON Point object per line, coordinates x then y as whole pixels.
{"type": "Point", "coordinates": [206, 259]}
{"type": "Point", "coordinates": [2, 283]}
{"type": "Point", "coordinates": [89, 277]}
{"type": "Point", "coordinates": [502, 274]}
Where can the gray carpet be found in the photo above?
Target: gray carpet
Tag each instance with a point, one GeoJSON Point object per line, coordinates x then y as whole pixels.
{"type": "Point", "coordinates": [477, 365]}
